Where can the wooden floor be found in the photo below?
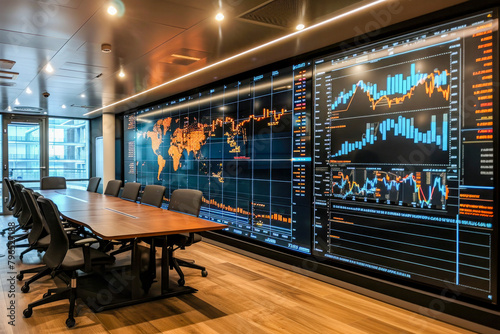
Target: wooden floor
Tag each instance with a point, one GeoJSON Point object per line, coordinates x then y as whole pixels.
{"type": "Point", "coordinates": [240, 295]}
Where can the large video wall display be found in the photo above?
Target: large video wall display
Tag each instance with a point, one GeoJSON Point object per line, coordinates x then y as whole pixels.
{"type": "Point", "coordinates": [404, 156]}
{"type": "Point", "coordinates": [245, 145]}
{"type": "Point", "coordinates": [380, 158]}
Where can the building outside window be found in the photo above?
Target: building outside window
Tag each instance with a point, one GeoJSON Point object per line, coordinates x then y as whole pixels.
{"type": "Point", "coordinates": [69, 150]}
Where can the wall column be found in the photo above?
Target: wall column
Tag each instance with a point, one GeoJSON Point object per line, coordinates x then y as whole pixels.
{"type": "Point", "coordinates": [108, 139]}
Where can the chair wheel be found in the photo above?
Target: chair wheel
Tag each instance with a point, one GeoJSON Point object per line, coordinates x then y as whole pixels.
{"type": "Point", "coordinates": [181, 282]}
{"type": "Point", "coordinates": [46, 294]}
{"type": "Point", "coordinates": [27, 312]}
{"type": "Point", "coordinates": [2, 233]}
{"type": "Point", "coordinates": [20, 276]}
{"type": "Point", "coordinates": [25, 288]}
{"type": "Point", "coordinates": [204, 273]}
{"type": "Point", "coordinates": [70, 322]}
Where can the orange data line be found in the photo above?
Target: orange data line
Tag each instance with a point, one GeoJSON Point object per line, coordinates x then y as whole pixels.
{"type": "Point", "coordinates": [429, 90]}
{"type": "Point", "coordinates": [275, 115]}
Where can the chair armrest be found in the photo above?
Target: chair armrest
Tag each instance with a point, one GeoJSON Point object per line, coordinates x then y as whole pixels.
{"type": "Point", "coordinates": [85, 242]}
{"type": "Point", "coordinates": [87, 260]}
{"type": "Point", "coordinates": [70, 229]}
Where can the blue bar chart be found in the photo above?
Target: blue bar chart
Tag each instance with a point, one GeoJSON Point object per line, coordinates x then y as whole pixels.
{"type": "Point", "coordinates": [402, 127]}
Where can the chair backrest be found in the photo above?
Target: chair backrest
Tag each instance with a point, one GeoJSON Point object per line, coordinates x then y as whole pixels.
{"type": "Point", "coordinates": [113, 188]}
{"type": "Point", "coordinates": [131, 191]}
{"type": "Point", "coordinates": [10, 203]}
{"type": "Point", "coordinates": [24, 218]}
{"type": "Point", "coordinates": [93, 184]}
{"type": "Point", "coordinates": [186, 201]}
{"type": "Point", "coordinates": [53, 182]}
{"type": "Point", "coordinates": [16, 210]}
{"type": "Point", "coordinates": [153, 195]}
{"type": "Point", "coordinates": [59, 243]}
{"type": "Point", "coordinates": [39, 228]}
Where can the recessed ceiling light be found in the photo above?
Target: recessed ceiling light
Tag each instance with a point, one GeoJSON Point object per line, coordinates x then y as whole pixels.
{"type": "Point", "coordinates": [28, 90]}
{"type": "Point", "coordinates": [121, 74]}
{"type": "Point", "coordinates": [219, 17]}
{"type": "Point", "coordinates": [16, 102]}
{"type": "Point", "coordinates": [49, 68]}
{"type": "Point", "coordinates": [9, 108]}
{"type": "Point", "coordinates": [45, 113]}
{"type": "Point", "coordinates": [112, 10]}
{"type": "Point", "coordinates": [63, 106]}
{"type": "Point", "coordinates": [83, 95]}
{"type": "Point", "coordinates": [300, 26]}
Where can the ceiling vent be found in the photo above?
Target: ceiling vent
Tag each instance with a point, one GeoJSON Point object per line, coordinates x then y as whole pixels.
{"type": "Point", "coordinates": [185, 57]}
{"type": "Point", "coordinates": [8, 75]}
{"type": "Point", "coordinates": [6, 64]}
{"type": "Point", "coordinates": [83, 106]}
{"type": "Point", "coordinates": [27, 109]}
{"type": "Point", "coordinates": [278, 13]}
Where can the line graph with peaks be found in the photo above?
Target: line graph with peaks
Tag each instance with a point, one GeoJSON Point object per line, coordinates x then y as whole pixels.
{"type": "Point", "coordinates": [390, 85]}
{"type": "Point", "coordinates": [417, 189]}
{"type": "Point", "coordinates": [400, 88]}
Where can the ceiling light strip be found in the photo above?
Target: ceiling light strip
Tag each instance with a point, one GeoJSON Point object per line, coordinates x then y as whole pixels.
{"type": "Point", "coordinates": [240, 54]}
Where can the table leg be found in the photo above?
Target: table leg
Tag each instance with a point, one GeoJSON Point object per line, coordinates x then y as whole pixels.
{"type": "Point", "coordinates": [136, 270]}
{"type": "Point", "coordinates": [165, 270]}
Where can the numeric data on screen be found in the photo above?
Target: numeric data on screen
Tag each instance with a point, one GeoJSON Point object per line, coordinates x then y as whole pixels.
{"type": "Point", "coordinates": [403, 156]}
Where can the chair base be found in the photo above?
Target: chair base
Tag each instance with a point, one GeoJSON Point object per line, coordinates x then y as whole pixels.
{"type": "Point", "coordinates": [189, 264]}
{"type": "Point", "coordinates": [53, 295]}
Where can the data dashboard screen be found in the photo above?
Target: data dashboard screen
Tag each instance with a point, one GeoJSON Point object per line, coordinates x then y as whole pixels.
{"type": "Point", "coordinates": [380, 158]}
{"type": "Point", "coordinates": [404, 158]}
{"type": "Point", "coordinates": [245, 145]}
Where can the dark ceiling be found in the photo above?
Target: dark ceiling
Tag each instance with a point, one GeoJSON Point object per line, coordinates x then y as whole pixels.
{"type": "Point", "coordinates": [157, 41]}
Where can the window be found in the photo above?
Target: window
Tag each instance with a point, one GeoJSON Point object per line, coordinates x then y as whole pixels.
{"type": "Point", "coordinates": [69, 148]}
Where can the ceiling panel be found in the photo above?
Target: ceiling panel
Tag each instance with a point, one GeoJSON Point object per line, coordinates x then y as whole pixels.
{"type": "Point", "coordinates": [166, 13]}
{"type": "Point", "coordinates": [46, 17]}
{"type": "Point", "coordinates": [69, 34]}
{"type": "Point", "coordinates": [31, 40]}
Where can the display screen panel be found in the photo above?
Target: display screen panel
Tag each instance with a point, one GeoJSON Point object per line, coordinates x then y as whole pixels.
{"type": "Point", "coordinates": [404, 158]}
{"type": "Point", "coordinates": [245, 145]}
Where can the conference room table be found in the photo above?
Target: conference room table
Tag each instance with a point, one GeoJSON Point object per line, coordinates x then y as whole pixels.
{"type": "Point", "coordinates": [113, 218]}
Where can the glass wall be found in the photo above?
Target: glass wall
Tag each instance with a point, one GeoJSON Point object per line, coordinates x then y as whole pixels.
{"type": "Point", "coordinates": [24, 151]}
{"type": "Point", "coordinates": [69, 150]}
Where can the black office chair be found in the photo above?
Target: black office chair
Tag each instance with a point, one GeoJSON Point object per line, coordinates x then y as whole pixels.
{"type": "Point", "coordinates": [93, 184]}
{"type": "Point", "coordinates": [38, 237]}
{"type": "Point", "coordinates": [113, 188]}
{"type": "Point", "coordinates": [16, 211]}
{"type": "Point", "coordinates": [153, 195]}
{"type": "Point", "coordinates": [131, 191]}
{"type": "Point", "coordinates": [53, 182]}
{"type": "Point", "coordinates": [11, 203]}
{"type": "Point", "coordinates": [24, 220]}
{"type": "Point", "coordinates": [60, 257]}
{"type": "Point", "coordinates": [185, 201]}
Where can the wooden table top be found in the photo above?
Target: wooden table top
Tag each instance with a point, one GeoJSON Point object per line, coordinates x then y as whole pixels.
{"type": "Point", "coordinates": [114, 218]}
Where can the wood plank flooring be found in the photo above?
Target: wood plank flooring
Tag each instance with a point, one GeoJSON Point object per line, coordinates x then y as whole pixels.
{"type": "Point", "coordinates": [240, 295]}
